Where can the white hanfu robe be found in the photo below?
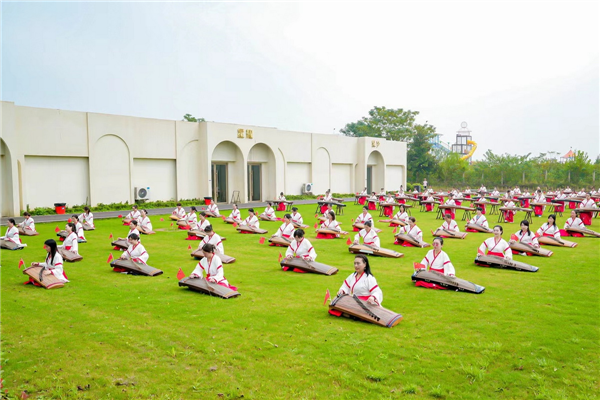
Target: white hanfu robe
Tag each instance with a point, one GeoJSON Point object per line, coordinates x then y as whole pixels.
{"type": "Point", "coordinates": [452, 226]}
{"type": "Point", "coordinates": [414, 232]}
{"type": "Point", "coordinates": [285, 230]}
{"type": "Point", "coordinates": [71, 243]}
{"type": "Point", "coordinates": [212, 268]}
{"type": "Point", "coordinates": [529, 239]}
{"type": "Point", "coordinates": [362, 286]}
{"type": "Point", "coordinates": [133, 214]}
{"type": "Point", "coordinates": [369, 238]}
{"type": "Point", "coordinates": [490, 245]}
{"type": "Point", "coordinates": [132, 231]}
{"type": "Point", "coordinates": [251, 222]}
{"type": "Point", "coordinates": [213, 239]}
{"type": "Point", "coordinates": [235, 215]}
{"type": "Point", "coordinates": [55, 266]}
{"type": "Point", "coordinates": [79, 229]}
{"type": "Point", "coordinates": [87, 218]}
{"type": "Point", "coordinates": [334, 225]}
{"type": "Point", "coordinates": [213, 208]}
{"type": "Point", "coordinates": [269, 213]}
{"type": "Point", "coordinates": [137, 253]}
{"type": "Point", "coordinates": [480, 220]}
{"type": "Point", "coordinates": [440, 263]}
{"type": "Point", "coordinates": [192, 220]}
{"type": "Point", "coordinates": [179, 212]}
{"type": "Point", "coordinates": [28, 224]}
{"type": "Point", "coordinates": [146, 224]}
{"type": "Point", "coordinates": [549, 230]}
{"type": "Point", "coordinates": [200, 226]}
{"type": "Point", "coordinates": [401, 216]}
{"type": "Point", "coordinates": [302, 249]}
{"type": "Point", "coordinates": [12, 234]}
{"type": "Point", "coordinates": [362, 218]}
{"type": "Point", "coordinates": [297, 218]}
{"type": "Point", "coordinates": [574, 223]}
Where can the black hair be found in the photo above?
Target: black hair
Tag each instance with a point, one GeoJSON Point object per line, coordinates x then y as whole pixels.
{"type": "Point", "coordinates": [251, 210]}
{"type": "Point", "coordinates": [368, 223]}
{"type": "Point", "coordinates": [269, 203]}
{"type": "Point", "coordinates": [12, 221]}
{"type": "Point", "coordinates": [134, 236]}
{"type": "Point", "coordinates": [86, 208]}
{"type": "Point", "coordinates": [299, 233]}
{"type": "Point", "coordinates": [448, 216]}
{"type": "Point", "coordinates": [192, 208]}
{"type": "Point", "coordinates": [294, 208]}
{"type": "Point", "coordinates": [179, 204]}
{"type": "Point", "coordinates": [501, 229]}
{"type": "Point", "coordinates": [288, 216]}
{"type": "Point", "coordinates": [209, 248]}
{"type": "Point", "coordinates": [526, 223]}
{"type": "Point", "coordinates": [208, 228]}
{"type": "Point", "coordinates": [26, 214]}
{"type": "Point", "coordinates": [366, 208]}
{"type": "Point", "coordinates": [72, 226]}
{"type": "Point", "coordinates": [439, 239]}
{"type": "Point", "coordinates": [134, 206]}
{"type": "Point", "coordinates": [134, 222]}
{"type": "Point", "coordinates": [553, 219]}
{"type": "Point", "coordinates": [330, 212]}
{"type": "Point", "coordinates": [203, 213]}
{"type": "Point", "coordinates": [75, 217]}
{"type": "Point", "coordinates": [402, 208]}
{"type": "Point", "coordinates": [479, 209]}
{"type": "Point", "coordinates": [366, 261]}
{"type": "Point", "coordinates": [53, 249]}
{"type": "Point", "coordinates": [413, 219]}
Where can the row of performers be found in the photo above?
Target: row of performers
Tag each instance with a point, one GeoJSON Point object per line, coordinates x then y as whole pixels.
{"type": "Point", "coordinates": [73, 234]}
{"type": "Point", "coordinates": [84, 221]}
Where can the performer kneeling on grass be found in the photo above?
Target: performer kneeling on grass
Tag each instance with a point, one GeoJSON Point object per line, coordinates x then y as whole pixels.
{"type": "Point", "coordinates": [361, 283]}
{"type": "Point", "coordinates": [132, 216]}
{"type": "Point", "coordinates": [296, 216]}
{"type": "Point", "coordinates": [190, 222]}
{"type": "Point", "coordinates": [331, 223]}
{"type": "Point", "coordinates": [369, 236]}
{"type": "Point", "coordinates": [269, 213]}
{"type": "Point", "coordinates": [145, 226]}
{"type": "Point", "coordinates": [525, 236]}
{"type": "Point", "coordinates": [496, 246]}
{"type": "Point", "coordinates": [12, 234]}
{"type": "Point", "coordinates": [478, 219]}
{"type": "Point", "coordinates": [71, 242]}
{"type": "Point", "coordinates": [235, 214]}
{"type": "Point", "coordinates": [300, 248]}
{"type": "Point", "coordinates": [401, 215]}
{"type": "Point", "coordinates": [549, 228]}
{"type": "Point", "coordinates": [87, 218]}
{"type": "Point", "coordinates": [78, 229]}
{"type": "Point", "coordinates": [214, 209]}
{"type": "Point", "coordinates": [136, 252]}
{"type": "Point", "coordinates": [251, 220]}
{"type": "Point", "coordinates": [362, 218]}
{"type": "Point", "coordinates": [212, 267]}
{"type": "Point", "coordinates": [436, 260]}
{"type": "Point", "coordinates": [178, 213]}
{"type": "Point", "coordinates": [449, 224]}
{"type": "Point", "coordinates": [53, 264]}
{"type": "Point", "coordinates": [573, 222]}
{"type": "Point", "coordinates": [411, 229]}
{"type": "Point", "coordinates": [282, 205]}
{"type": "Point", "coordinates": [213, 239]}
{"type": "Point", "coordinates": [286, 229]}
{"type": "Point", "coordinates": [27, 227]}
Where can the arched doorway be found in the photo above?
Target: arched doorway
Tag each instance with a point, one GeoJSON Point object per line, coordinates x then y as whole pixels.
{"type": "Point", "coordinates": [227, 172]}
{"type": "Point", "coordinates": [7, 180]}
{"type": "Point", "coordinates": [261, 173]}
{"type": "Point", "coordinates": [375, 172]}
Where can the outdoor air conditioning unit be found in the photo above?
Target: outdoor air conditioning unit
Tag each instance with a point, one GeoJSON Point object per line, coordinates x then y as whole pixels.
{"type": "Point", "coordinates": [307, 188]}
{"type": "Point", "coordinates": [142, 193]}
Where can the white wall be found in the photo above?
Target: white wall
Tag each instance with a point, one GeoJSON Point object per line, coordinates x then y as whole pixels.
{"type": "Point", "coordinates": [297, 175]}
{"type": "Point", "coordinates": [394, 177]}
{"type": "Point", "coordinates": [341, 178]}
{"type": "Point", "coordinates": [159, 175]}
{"type": "Point", "coordinates": [109, 170]}
{"type": "Point", "coordinates": [321, 169]}
{"type": "Point", "coordinates": [50, 180]}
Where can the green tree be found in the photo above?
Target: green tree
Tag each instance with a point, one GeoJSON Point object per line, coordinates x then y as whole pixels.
{"type": "Point", "coordinates": [191, 118]}
{"type": "Point", "coordinates": [391, 124]}
{"type": "Point", "coordinates": [421, 163]}
{"type": "Point", "coordinates": [451, 169]}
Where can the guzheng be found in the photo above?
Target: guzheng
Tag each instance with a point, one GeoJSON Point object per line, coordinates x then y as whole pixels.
{"type": "Point", "coordinates": [355, 308]}
{"type": "Point", "coordinates": [331, 231]}
{"type": "Point", "coordinates": [211, 214]}
{"type": "Point", "coordinates": [360, 226]}
{"type": "Point", "coordinates": [411, 239]}
{"type": "Point", "coordinates": [479, 228]}
{"type": "Point", "coordinates": [526, 248]}
{"type": "Point", "coordinates": [246, 228]}
{"type": "Point", "coordinates": [206, 287]}
{"type": "Point", "coordinates": [388, 204]}
{"type": "Point", "coordinates": [69, 256]}
{"type": "Point", "coordinates": [450, 282]}
{"type": "Point", "coordinates": [196, 233]}
{"type": "Point", "coordinates": [225, 259]}
{"type": "Point", "coordinates": [136, 268]}
{"type": "Point", "coordinates": [280, 240]}
{"type": "Point", "coordinates": [445, 233]}
{"type": "Point", "coordinates": [47, 281]}
{"type": "Point", "coordinates": [173, 217]}
{"type": "Point", "coordinates": [231, 221]}
{"type": "Point", "coordinates": [8, 245]}
{"type": "Point", "coordinates": [27, 232]}
{"type": "Point", "coordinates": [300, 226]}
{"type": "Point", "coordinates": [393, 221]}
{"type": "Point", "coordinates": [587, 209]}
{"type": "Point", "coordinates": [63, 234]}
{"type": "Point", "coordinates": [265, 218]}
{"type": "Point", "coordinates": [430, 202]}
{"type": "Point", "coordinates": [87, 227]}
{"type": "Point", "coordinates": [552, 241]}
{"type": "Point", "coordinates": [308, 266]}
{"type": "Point", "coordinates": [541, 204]}
{"type": "Point", "coordinates": [583, 231]}
{"type": "Point", "coordinates": [450, 206]}
{"type": "Point", "coordinates": [503, 263]}
{"type": "Point", "coordinates": [366, 249]}
{"type": "Point", "coordinates": [516, 209]}
{"type": "Point", "coordinates": [121, 243]}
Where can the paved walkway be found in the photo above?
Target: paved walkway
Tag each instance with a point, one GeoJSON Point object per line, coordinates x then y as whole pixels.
{"type": "Point", "coordinates": [152, 211]}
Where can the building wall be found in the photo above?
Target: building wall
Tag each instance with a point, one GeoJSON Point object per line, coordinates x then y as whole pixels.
{"type": "Point", "coordinates": [101, 158]}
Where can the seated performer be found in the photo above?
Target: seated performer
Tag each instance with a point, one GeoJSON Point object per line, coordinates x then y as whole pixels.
{"type": "Point", "coordinates": [27, 227]}
{"type": "Point", "coordinates": [549, 228]}
{"type": "Point", "coordinates": [297, 217]}
{"type": "Point", "coordinates": [388, 211]}
{"type": "Point", "coordinates": [372, 201]}
{"type": "Point", "coordinates": [281, 206]}
{"type": "Point", "coordinates": [53, 264]}
{"type": "Point", "coordinates": [178, 213]}
{"type": "Point", "coordinates": [361, 283]}
{"type": "Point", "coordinates": [330, 223]}
{"type": "Point", "coordinates": [559, 204]}
{"type": "Point", "coordinates": [573, 222]}
{"type": "Point", "coordinates": [368, 235]}
{"type": "Point", "coordinates": [495, 192]}
{"type": "Point", "coordinates": [190, 222]}
{"type": "Point", "coordinates": [87, 219]}
{"type": "Point", "coordinates": [328, 196]}
{"type": "Point", "coordinates": [363, 197]}
{"type": "Point", "coordinates": [496, 246]}
{"type": "Point", "coordinates": [133, 215]}
{"type": "Point", "coordinates": [509, 215]}
{"type": "Point", "coordinates": [429, 206]}
{"type": "Point", "coordinates": [300, 248]}
{"type": "Point", "coordinates": [144, 224]}
{"type": "Point", "coordinates": [12, 234]}
{"type": "Point", "coordinates": [251, 220]}
{"type": "Point", "coordinates": [401, 191]}
{"type": "Point", "coordinates": [212, 238]}
{"type": "Point", "coordinates": [212, 267]}
{"type": "Point", "coordinates": [235, 214]}
{"type": "Point", "coordinates": [586, 217]}
{"type": "Point", "coordinates": [362, 218]}
{"type": "Point", "coordinates": [213, 209]}
{"type": "Point", "coordinates": [525, 236]}
{"type": "Point", "coordinates": [269, 213]}
{"type": "Point", "coordinates": [71, 241]}
{"type": "Point", "coordinates": [136, 252]}
{"type": "Point", "coordinates": [478, 219]}
{"type": "Point", "coordinates": [450, 202]}
{"type": "Point", "coordinates": [482, 189]}
{"type": "Point", "coordinates": [78, 229]}
{"type": "Point", "coordinates": [581, 193]}
{"type": "Point", "coordinates": [436, 260]}
{"type": "Point", "coordinates": [401, 215]}
{"type": "Point", "coordinates": [381, 195]}
{"type": "Point", "coordinates": [286, 229]}
{"type": "Point", "coordinates": [449, 224]}
{"type": "Point", "coordinates": [411, 229]}
{"type": "Point", "coordinates": [133, 229]}
{"type": "Point", "coordinates": [539, 198]}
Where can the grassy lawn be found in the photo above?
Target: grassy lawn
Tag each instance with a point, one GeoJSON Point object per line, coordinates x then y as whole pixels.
{"type": "Point", "coordinates": [108, 335]}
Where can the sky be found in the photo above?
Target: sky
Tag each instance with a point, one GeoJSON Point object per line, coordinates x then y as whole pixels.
{"type": "Point", "coordinates": [524, 75]}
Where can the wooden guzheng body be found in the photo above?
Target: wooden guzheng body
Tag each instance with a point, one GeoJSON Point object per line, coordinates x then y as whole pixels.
{"type": "Point", "coordinates": [309, 266]}
{"type": "Point", "coordinates": [8, 245]}
{"type": "Point", "coordinates": [196, 233]}
{"type": "Point", "coordinates": [206, 287]}
{"type": "Point", "coordinates": [360, 225]}
{"type": "Point", "coordinates": [263, 218]}
{"type": "Point", "coordinates": [231, 221]}
{"type": "Point", "coordinates": [68, 255]}
{"type": "Point", "coordinates": [280, 240]}
{"type": "Point", "coordinates": [211, 214]}
{"type": "Point", "coordinates": [87, 227]}
{"type": "Point", "coordinates": [331, 231]}
{"type": "Point", "coordinates": [516, 209]}
{"type": "Point", "coordinates": [299, 226]}
{"type": "Point", "coordinates": [587, 209]}
{"type": "Point", "coordinates": [450, 234]}
{"type": "Point", "coordinates": [393, 221]}
{"type": "Point", "coordinates": [479, 228]}
{"type": "Point", "coordinates": [353, 307]}
{"type": "Point", "coordinates": [121, 243]}
{"type": "Point", "coordinates": [47, 281]}
{"type": "Point", "coordinates": [246, 228]}
{"type": "Point", "coordinates": [63, 234]}
{"type": "Point", "coordinates": [450, 282]}
{"type": "Point", "coordinates": [198, 254]}
{"type": "Point", "coordinates": [136, 268]}
{"type": "Point", "coordinates": [552, 241]}
{"type": "Point", "coordinates": [410, 239]}
{"type": "Point", "coordinates": [27, 232]}
{"type": "Point", "coordinates": [525, 248]}
{"type": "Point", "coordinates": [366, 249]}
{"type": "Point", "coordinates": [173, 217]}
{"type": "Point", "coordinates": [501, 262]}
{"type": "Point", "coordinates": [450, 206]}
{"type": "Point", "coordinates": [583, 231]}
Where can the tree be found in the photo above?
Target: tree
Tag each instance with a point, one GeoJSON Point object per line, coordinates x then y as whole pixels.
{"type": "Point", "coordinates": [421, 163]}
{"type": "Point", "coordinates": [391, 124]}
{"type": "Point", "coordinates": [191, 118]}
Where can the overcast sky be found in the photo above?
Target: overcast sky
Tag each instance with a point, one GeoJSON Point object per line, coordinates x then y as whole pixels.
{"type": "Point", "coordinates": [523, 75]}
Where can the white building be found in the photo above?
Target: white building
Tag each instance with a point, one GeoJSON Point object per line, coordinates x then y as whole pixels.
{"type": "Point", "coordinates": [56, 156]}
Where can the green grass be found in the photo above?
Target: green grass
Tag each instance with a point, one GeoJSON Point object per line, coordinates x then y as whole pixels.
{"type": "Point", "coordinates": [108, 335]}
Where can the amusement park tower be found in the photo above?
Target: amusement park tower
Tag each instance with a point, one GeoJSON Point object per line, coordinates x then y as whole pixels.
{"type": "Point", "coordinates": [464, 144]}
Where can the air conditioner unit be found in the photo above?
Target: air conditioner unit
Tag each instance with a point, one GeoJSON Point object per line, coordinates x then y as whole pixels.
{"type": "Point", "coordinates": [307, 188]}
{"type": "Point", "coordinates": [142, 193]}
